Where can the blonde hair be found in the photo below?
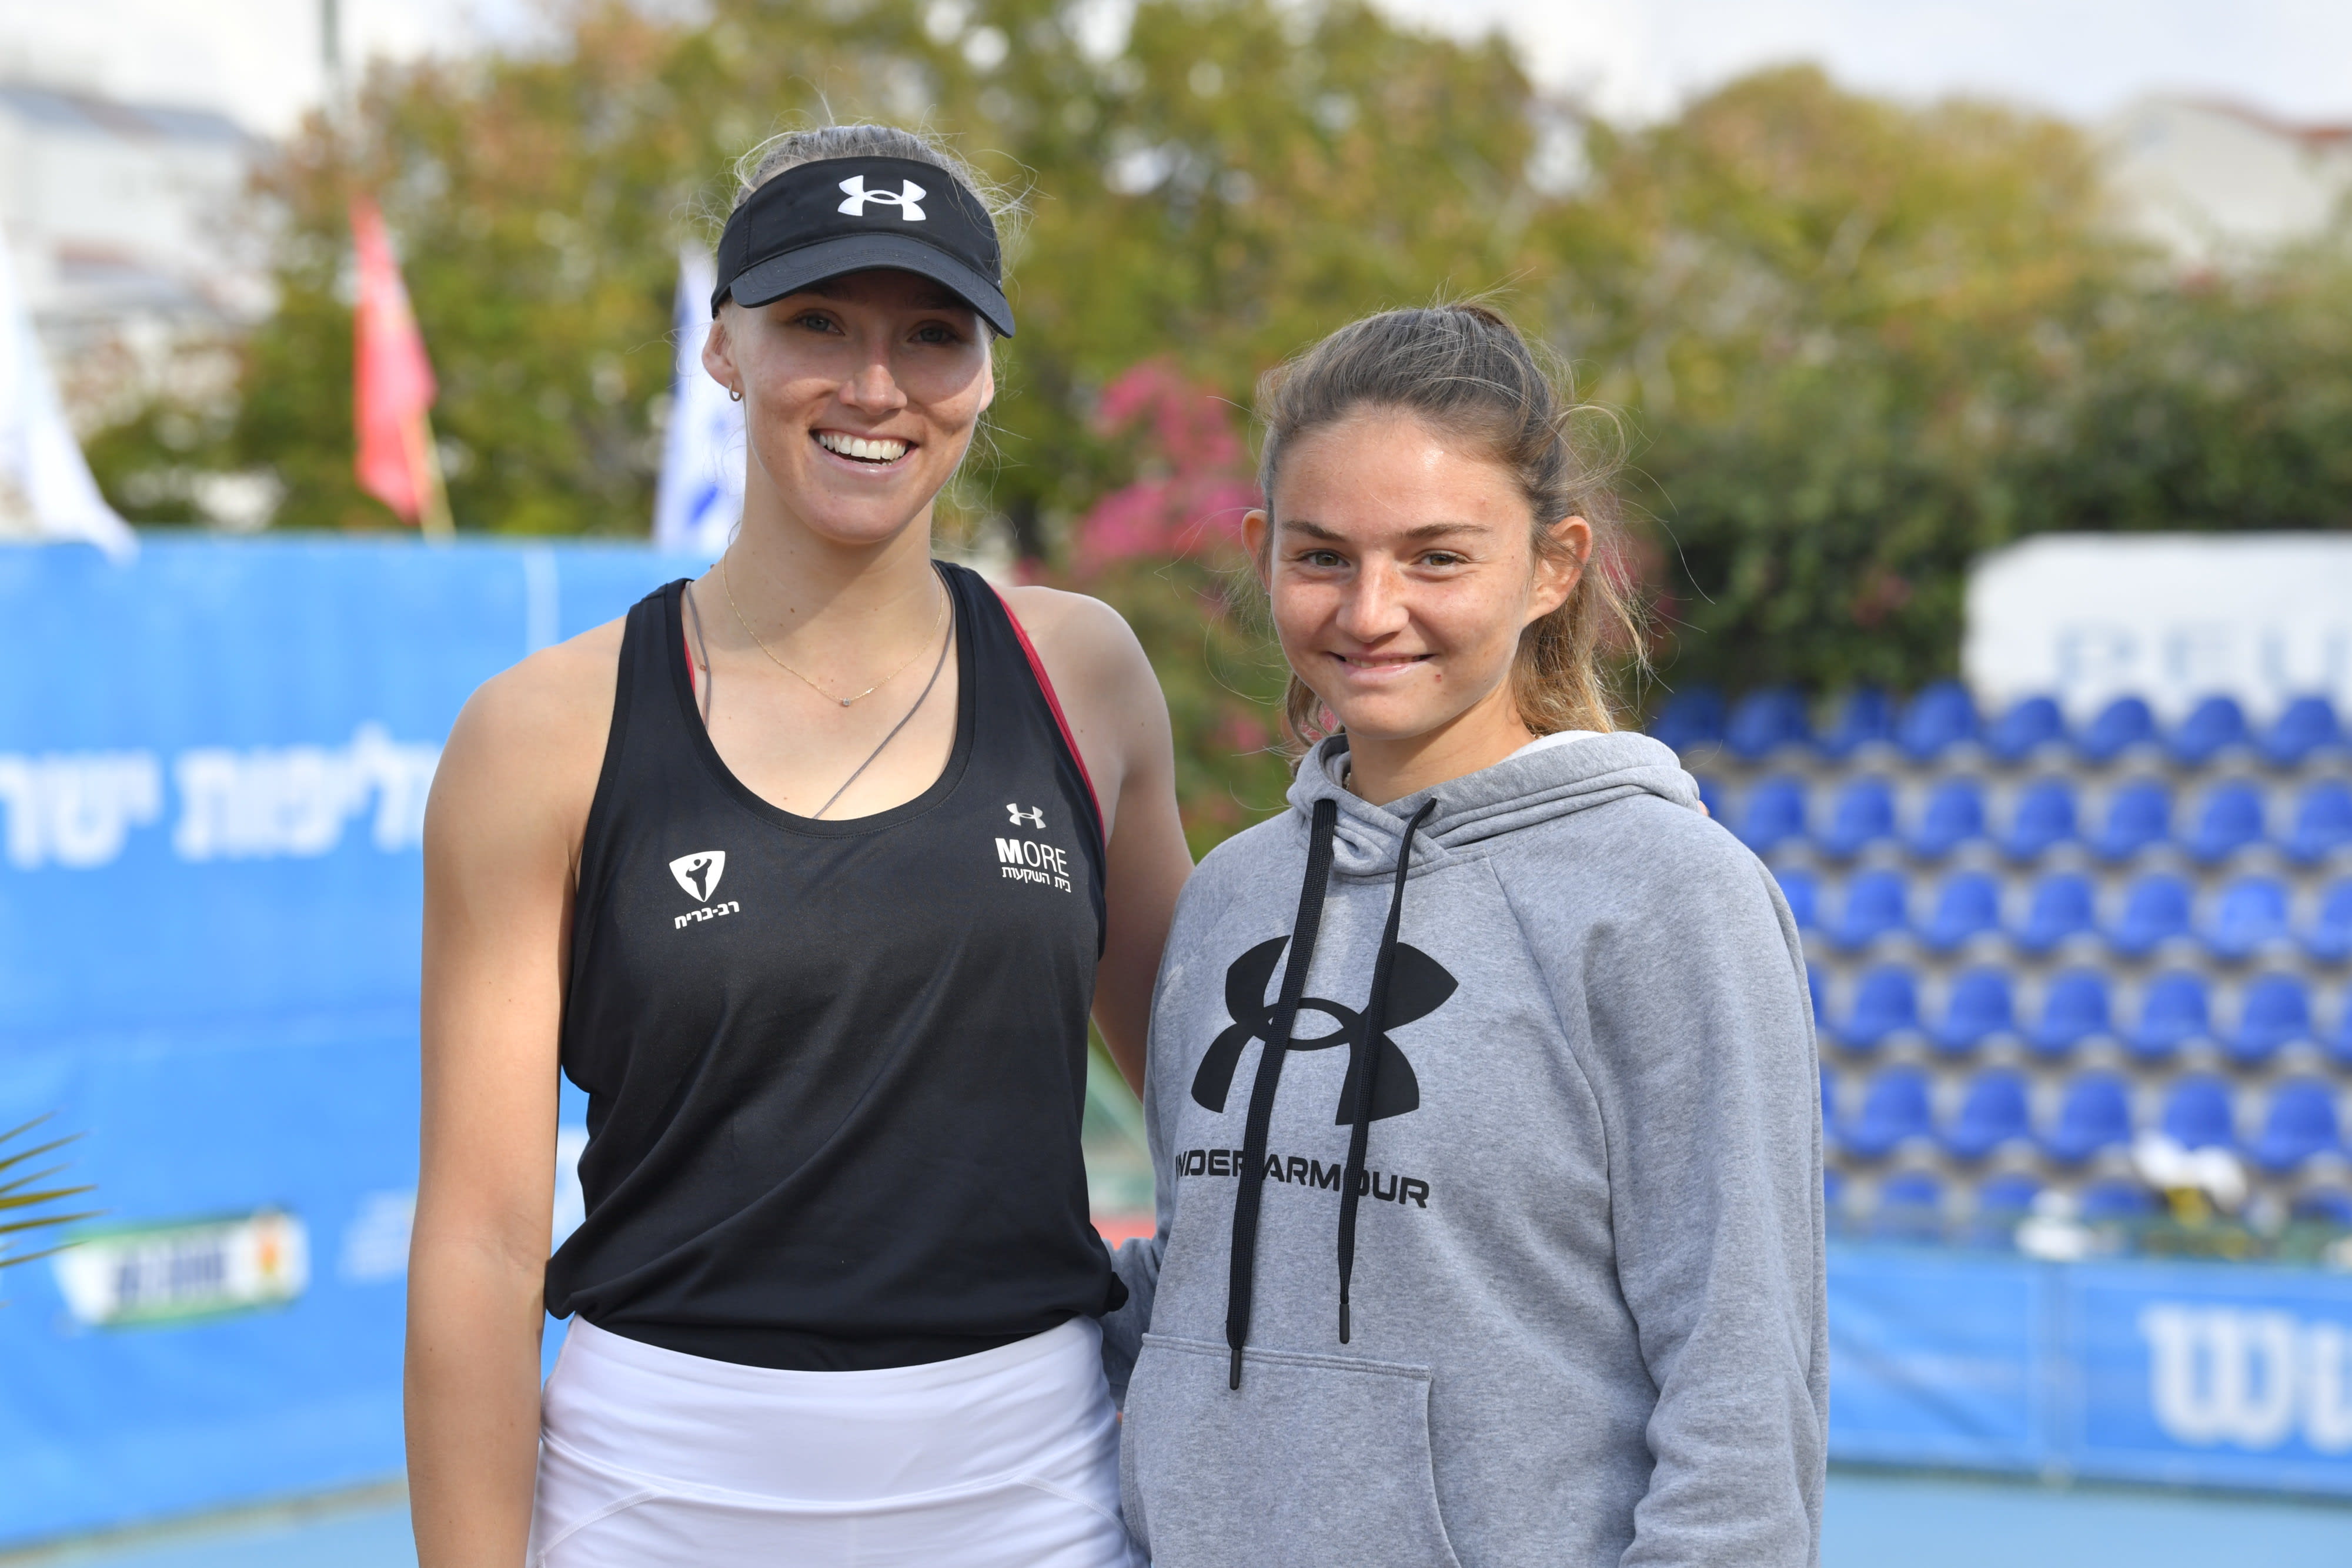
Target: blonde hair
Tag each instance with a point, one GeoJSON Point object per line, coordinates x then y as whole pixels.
{"type": "Point", "coordinates": [1466, 369]}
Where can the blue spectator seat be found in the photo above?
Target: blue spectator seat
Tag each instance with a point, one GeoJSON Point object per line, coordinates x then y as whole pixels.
{"type": "Point", "coordinates": [1813, 986]}
{"type": "Point", "coordinates": [1710, 794]}
{"type": "Point", "coordinates": [1767, 719]}
{"type": "Point", "coordinates": [2003, 1202]}
{"type": "Point", "coordinates": [2307, 725]}
{"type": "Point", "coordinates": [2156, 911]}
{"type": "Point", "coordinates": [2301, 1123]}
{"type": "Point", "coordinates": [1910, 1209]}
{"type": "Point", "coordinates": [1993, 1112]}
{"type": "Point", "coordinates": [1981, 1005]}
{"type": "Point", "coordinates": [2121, 725]}
{"type": "Point", "coordinates": [1886, 1002]}
{"type": "Point", "coordinates": [2338, 1042]}
{"type": "Point", "coordinates": [2196, 1113]}
{"type": "Point", "coordinates": [2328, 1206]}
{"type": "Point", "coordinates": [2211, 727]}
{"type": "Point", "coordinates": [2274, 1012]}
{"type": "Point", "coordinates": [1877, 903]}
{"type": "Point", "coordinates": [1833, 1193]}
{"type": "Point", "coordinates": [1861, 815]}
{"type": "Point", "coordinates": [2116, 1202]}
{"type": "Point", "coordinates": [1690, 719]}
{"type": "Point", "coordinates": [1954, 815]}
{"type": "Point", "coordinates": [2044, 818]}
{"type": "Point", "coordinates": [1894, 1111]}
{"type": "Point", "coordinates": [2329, 938]}
{"type": "Point", "coordinates": [1966, 907]}
{"type": "Point", "coordinates": [1941, 716]}
{"type": "Point", "coordinates": [2065, 905]}
{"type": "Point", "coordinates": [1866, 718]}
{"type": "Point", "coordinates": [2231, 820]}
{"type": "Point", "coordinates": [2073, 1009]}
{"type": "Point", "coordinates": [2028, 725]}
{"type": "Point", "coordinates": [2139, 815]}
{"type": "Point", "coordinates": [2176, 1010]}
{"type": "Point", "coordinates": [2094, 1115]}
{"type": "Point", "coordinates": [1773, 813]}
{"type": "Point", "coordinates": [1829, 1095]}
{"type": "Point", "coordinates": [1803, 892]}
{"type": "Point", "coordinates": [2323, 821]}
{"type": "Point", "coordinates": [2250, 916]}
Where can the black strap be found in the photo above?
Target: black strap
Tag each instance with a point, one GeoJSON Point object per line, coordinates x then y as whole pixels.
{"type": "Point", "coordinates": [1251, 1187]}
{"type": "Point", "coordinates": [1376, 1018]}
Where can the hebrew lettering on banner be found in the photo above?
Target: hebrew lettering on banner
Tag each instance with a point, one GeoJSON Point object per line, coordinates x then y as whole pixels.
{"type": "Point", "coordinates": [76, 808]}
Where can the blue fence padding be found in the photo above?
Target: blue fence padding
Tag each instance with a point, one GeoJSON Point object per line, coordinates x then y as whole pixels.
{"type": "Point", "coordinates": [2188, 1373]}
{"type": "Point", "coordinates": [212, 765]}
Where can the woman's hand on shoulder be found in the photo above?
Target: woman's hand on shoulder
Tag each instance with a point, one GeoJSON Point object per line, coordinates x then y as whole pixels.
{"type": "Point", "coordinates": [1118, 718]}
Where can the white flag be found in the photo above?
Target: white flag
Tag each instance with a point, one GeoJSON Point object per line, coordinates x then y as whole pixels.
{"type": "Point", "coordinates": [45, 490]}
{"type": "Point", "coordinates": [701, 496]}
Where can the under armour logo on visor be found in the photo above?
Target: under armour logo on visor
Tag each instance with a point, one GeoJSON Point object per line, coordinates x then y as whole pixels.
{"type": "Point", "coordinates": [1035, 816]}
{"type": "Point", "coordinates": [908, 200]}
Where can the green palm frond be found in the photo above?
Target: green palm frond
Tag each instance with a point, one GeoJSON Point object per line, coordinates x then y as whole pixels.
{"type": "Point", "coordinates": [25, 1205]}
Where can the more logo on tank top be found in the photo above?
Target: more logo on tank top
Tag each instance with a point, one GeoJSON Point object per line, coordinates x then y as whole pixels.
{"type": "Point", "coordinates": [1027, 860]}
{"type": "Point", "coordinates": [699, 875]}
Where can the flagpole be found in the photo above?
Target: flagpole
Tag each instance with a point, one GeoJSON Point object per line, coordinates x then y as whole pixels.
{"type": "Point", "coordinates": [433, 517]}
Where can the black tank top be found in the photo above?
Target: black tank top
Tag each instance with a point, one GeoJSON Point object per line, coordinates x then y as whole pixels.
{"type": "Point", "coordinates": [835, 1070]}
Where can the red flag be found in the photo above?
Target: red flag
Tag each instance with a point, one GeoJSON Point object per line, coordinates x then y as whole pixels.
{"type": "Point", "coordinates": [393, 385]}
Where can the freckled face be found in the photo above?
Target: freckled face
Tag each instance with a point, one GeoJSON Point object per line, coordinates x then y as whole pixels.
{"type": "Point", "coordinates": [860, 396]}
{"type": "Point", "coordinates": [1401, 572]}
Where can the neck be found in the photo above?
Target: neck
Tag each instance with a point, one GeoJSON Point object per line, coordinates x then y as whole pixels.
{"type": "Point", "coordinates": [797, 586]}
{"type": "Point", "coordinates": [1381, 768]}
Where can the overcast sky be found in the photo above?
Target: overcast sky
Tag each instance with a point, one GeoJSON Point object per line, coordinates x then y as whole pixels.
{"type": "Point", "coordinates": [259, 59]}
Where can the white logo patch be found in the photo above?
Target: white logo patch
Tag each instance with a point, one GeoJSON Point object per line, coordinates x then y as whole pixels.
{"type": "Point", "coordinates": [698, 873]}
{"type": "Point", "coordinates": [909, 199]}
{"type": "Point", "coordinates": [1035, 816]}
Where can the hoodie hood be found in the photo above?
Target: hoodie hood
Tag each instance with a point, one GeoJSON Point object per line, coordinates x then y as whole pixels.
{"type": "Point", "coordinates": [1518, 792]}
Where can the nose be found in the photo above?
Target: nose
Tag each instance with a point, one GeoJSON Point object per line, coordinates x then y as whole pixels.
{"type": "Point", "coordinates": [872, 388]}
{"type": "Point", "coordinates": [1373, 607]}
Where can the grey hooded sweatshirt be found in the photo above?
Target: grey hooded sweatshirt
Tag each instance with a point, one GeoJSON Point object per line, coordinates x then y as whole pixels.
{"type": "Point", "coordinates": [1553, 1035]}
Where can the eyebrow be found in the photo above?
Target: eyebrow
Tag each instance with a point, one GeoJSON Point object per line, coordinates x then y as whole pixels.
{"type": "Point", "coordinates": [1420, 533]}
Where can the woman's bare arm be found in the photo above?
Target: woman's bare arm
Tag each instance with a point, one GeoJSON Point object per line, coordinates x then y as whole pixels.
{"type": "Point", "coordinates": [501, 844]}
{"type": "Point", "coordinates": [1119, 718]}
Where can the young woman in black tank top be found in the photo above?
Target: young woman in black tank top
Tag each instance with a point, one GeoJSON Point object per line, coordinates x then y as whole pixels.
{"type": "Point", "coordinates": [809, 872]}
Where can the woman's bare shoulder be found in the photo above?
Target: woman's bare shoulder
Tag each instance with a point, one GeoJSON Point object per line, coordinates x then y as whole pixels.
{"type": "Point", "coordinates": [530, 742]}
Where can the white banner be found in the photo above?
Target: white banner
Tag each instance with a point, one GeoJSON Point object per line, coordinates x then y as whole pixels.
{"type": "Point", "coordinates": [699, 499]}
{"type": "Point", "coordinates": [2173, 617]}
{"type": "Point", "coordinates": [45, 490]}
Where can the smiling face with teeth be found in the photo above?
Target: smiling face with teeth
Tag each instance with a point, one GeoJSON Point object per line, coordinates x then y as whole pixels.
{"type": "Point", "coordinates": [860, 396]}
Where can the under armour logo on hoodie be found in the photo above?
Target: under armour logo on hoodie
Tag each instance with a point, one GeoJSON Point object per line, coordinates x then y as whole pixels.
{"type": "Point", "coordinates": [909, 199]}
{"type": "Point", "coordinates": [1418, 986]}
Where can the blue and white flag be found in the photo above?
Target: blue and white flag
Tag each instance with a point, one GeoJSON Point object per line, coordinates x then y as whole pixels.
{"type": "Point", "coordinates": [701, 496]}
{"type": "Point", "coordinates": [46, 488]}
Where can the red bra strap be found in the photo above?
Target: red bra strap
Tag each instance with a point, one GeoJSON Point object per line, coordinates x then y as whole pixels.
{"type": "Point", "coordinates": [1045, 684]}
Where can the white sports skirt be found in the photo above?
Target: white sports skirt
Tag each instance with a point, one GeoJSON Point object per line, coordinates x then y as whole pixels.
{"type": "Point", "coordinates": [650, 1459]}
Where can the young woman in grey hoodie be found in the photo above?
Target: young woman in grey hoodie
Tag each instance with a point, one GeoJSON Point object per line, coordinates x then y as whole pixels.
{"type": "Point", "coordinates": [1482, 1091]}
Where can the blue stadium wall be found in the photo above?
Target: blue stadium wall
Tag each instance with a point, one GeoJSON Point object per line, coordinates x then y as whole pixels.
{"type": "Point", "coordinates": [212, 767]}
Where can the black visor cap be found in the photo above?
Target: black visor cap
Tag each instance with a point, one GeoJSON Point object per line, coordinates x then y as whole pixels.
{"type": "Point", "coordinates": [853, 215]}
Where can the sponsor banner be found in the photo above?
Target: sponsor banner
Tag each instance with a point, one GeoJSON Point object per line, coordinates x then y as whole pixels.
{"type": "Point", "coordinates": [2204, 1374]}
{"type": "Point", "coordinates": [214, 763]}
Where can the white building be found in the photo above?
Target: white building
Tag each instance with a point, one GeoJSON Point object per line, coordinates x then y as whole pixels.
{"type": "Point", "coordinates": [132, 231]}
{"type": "Point", "coordinates": [2214, 182]}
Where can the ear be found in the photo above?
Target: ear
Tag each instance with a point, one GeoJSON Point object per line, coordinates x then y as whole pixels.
{"type": "Point", "coordinates": [987, 369]}
{"type": "Point", "coordinates": [719, 352]}
{"type": "Point", "coordinates": [1558, 570]}
{"type": "Point", "coordinates": [1256, 526]}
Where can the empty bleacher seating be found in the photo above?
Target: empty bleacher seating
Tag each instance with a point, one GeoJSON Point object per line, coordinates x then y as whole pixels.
{"type": "Point", "coordinates": [2273, 1012]}
{"type": "Point", "coordinates": [2044, 817]}
{"type": "Point", "coordinates": [1993, 1114]}
{"type": "Point", "coordinates": [2300, 1123]}
{"type": "Point", "coordinates": [2028, 726]}
{"type": "Point", "coordinates": [2139, 816]}
{"type": "Point", "coordinates": [1895, 1111]}
{"type": "Point", "coordinates": [2033, 934]}
{"type": "Point", "coordinates": [2076, 1007]}
{"type": "Point", "coordinates": [1983, 1005]}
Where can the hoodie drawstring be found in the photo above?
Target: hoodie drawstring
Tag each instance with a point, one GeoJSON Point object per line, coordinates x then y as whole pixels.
{"type": "Point", "coordinates": [1376, 1018]}
{"type": "Point", "coordinates": [1251, 1188]}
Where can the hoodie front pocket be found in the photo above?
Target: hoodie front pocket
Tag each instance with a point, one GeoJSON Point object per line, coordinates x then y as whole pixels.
{"type": "Point", "coordinates": [1315, 1461]}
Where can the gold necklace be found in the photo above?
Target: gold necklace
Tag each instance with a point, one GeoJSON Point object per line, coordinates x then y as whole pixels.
{"type": "Point", "coordinates": [728, 587]}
